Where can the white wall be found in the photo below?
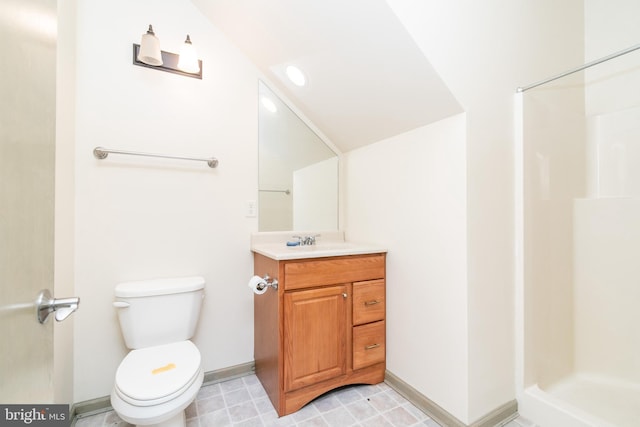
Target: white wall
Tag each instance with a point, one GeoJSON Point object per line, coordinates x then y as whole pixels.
{"type": "Point", "coordinates": [408, 193]}
{"type": "Point", "coordinates": [138, 218]}
{"type": "Point", "coordinates": [483, 51]}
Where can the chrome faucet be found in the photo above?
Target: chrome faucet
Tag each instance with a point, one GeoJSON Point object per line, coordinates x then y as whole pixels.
{"type": "Point", "coordinates": [307, 240]}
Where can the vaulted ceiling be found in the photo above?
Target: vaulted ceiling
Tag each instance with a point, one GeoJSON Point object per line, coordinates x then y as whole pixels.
{"type": "Point", "coordinates": [367, 79]}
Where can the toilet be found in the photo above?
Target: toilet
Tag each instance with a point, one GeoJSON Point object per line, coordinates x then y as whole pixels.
{"type": "Point", "coordinates": [162, 373]}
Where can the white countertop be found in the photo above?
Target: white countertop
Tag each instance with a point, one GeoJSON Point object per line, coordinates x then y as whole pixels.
{"type": "Point", "coordinates": [274, 246]}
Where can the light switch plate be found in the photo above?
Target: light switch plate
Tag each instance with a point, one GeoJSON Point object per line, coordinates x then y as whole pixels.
{"type": "Point", "coordinates": [252, 209]}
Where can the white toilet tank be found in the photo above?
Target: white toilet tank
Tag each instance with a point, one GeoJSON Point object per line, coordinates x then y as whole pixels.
{"type": "Point", "coordinates": [159, 311]}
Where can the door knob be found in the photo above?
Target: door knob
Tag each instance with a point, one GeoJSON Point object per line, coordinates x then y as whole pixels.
{"type": "Point", "coordinates": [46, 304]}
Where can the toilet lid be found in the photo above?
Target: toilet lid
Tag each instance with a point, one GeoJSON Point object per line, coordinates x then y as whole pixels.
{"type": "Point", "coordinates": [155, 372]}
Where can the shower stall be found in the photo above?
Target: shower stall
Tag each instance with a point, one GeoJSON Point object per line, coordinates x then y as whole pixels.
{"type": "Point", "coordinates": [577, 169]}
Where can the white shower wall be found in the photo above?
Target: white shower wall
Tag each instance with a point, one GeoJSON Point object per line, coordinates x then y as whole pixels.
{"type": "Point", "coordinates": [614, 153]}
{"type": "Point", "coordinates": [607, 231]}
{"type": "Point", "coordinates": [591, 376]}
{"type": "Point", "coordinates": [606, 291]}
{"type": "Point", "coordinates": [581, 269]}
{"type": "Point", "coordinates": [606, 244]}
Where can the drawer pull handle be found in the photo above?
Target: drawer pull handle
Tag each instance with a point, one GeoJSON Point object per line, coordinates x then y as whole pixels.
{"type": "Point", "coordinates": [374, 302]}
{"type": "Point", "coordinates": [372, 346]}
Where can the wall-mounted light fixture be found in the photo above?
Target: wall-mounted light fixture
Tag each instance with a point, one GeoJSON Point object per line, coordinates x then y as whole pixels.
{"type": "Point", "coordinates": [148, 54]}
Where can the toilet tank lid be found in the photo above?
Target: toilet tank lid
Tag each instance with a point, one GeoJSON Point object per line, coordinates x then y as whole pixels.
{"type": "Point", "coordinates": [175, 285]}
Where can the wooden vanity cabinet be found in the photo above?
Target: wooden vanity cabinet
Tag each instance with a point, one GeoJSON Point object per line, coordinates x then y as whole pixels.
{"type": "Point", "coordinates": [323, 328]}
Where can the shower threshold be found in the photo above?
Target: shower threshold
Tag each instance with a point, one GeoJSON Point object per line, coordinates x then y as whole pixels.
{"type": "Point", "coordinates": [612, 400]}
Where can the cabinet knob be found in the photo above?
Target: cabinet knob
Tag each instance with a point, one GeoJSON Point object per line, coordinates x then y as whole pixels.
{"type": "Point", "coordinates": [344, 295]}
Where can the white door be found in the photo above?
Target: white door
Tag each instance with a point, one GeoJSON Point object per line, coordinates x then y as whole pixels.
{"type": "Point", "coordinates": [27, 147]}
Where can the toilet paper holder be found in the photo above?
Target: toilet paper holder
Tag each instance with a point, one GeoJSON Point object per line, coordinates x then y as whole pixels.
{"type": "Point", "coordinates": [268, 282]}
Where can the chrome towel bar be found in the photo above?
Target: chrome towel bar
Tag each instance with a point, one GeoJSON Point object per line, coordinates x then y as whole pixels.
{"type": "Point", "coordinates": [287, 192]}
{"type": "Point", "coordinates": [102, 153]}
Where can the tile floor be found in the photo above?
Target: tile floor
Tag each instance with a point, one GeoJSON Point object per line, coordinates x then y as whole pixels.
{"type": "Point", "coordinates": [520, 422]}
{"type": "Point", "coordinates": [243, 402]}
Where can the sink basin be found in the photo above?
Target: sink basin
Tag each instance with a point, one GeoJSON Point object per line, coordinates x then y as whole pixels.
{"type": "Point", "coordinates": [280, 251]}
{"type": "Point", "coordinates": [329, 246]}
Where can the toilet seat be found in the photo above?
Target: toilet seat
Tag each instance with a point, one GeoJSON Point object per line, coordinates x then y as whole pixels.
{"type": "Point", "coordinates": [154, 375]}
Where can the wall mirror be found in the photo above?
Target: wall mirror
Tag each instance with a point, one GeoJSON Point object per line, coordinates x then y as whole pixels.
{"type": "Point", "coordinates": [297, 171]}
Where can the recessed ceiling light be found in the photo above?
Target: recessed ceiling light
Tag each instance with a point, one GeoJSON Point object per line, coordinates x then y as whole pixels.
{"type": "Point", "coordinates": [296, 75]}
{"type": "Point", "coordinates": [269, 104]}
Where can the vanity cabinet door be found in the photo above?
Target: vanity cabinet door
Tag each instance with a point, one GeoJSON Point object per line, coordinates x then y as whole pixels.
{"type": "Point", "coordinates": [315, 335]}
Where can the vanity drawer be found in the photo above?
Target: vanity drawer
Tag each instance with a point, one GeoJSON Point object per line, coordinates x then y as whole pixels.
{"type": "Point", "coordinates": [368, 301]}
{"type": "Point", "coordinates": [330, 271]}
{"type": "Point", "coordinates": [368, 344]}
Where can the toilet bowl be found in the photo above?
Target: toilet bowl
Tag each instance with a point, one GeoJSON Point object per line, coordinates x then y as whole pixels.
{"type": "Point", "coordinates": [155, 384]}
{"type": "Point", "coordinates": [161, 375]}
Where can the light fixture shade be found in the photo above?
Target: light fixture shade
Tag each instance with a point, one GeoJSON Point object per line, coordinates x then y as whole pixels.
{"type": "Point", "coordinates": [188, 61]}
{"type": "Point", "coordinates": [150, 49]}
